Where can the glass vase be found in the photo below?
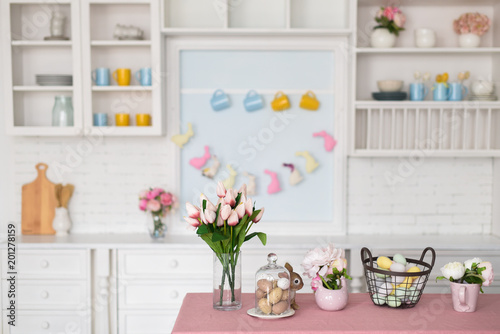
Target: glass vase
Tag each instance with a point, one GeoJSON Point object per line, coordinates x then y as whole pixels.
{"type": "Point", "coordinates": [62, 112]}
{"type": "Point", "coordinates": [227, 281]}
{"type": "Point", "coordinates": [156, 226]}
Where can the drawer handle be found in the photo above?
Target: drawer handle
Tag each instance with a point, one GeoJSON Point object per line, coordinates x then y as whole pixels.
{"type": "Point", "coordinates": [44, 263]}
{"type": "Point", "coordinates": [174, 264]}
{"type": "Point", "coordinates": [45, 325]}
{"type": "Point", "coordinates": [174, 294]}
{"type": "Point", "coordinates": [44, 294]}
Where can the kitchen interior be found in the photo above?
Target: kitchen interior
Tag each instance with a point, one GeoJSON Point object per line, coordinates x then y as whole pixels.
{"type": "Point", "coordinates": [118, 112]}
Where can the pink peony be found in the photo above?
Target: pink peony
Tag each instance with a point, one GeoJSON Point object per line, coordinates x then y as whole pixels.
{"type": "Point", "coordinates": [340, 264]}
{"type": "Point", "coordinates": [389, 13]}
{"type": "Point", "coordinates": [150, 195]}
{"type": "Point", "coordinates": [143, 204]}
{"type": "Point", "coordinates": [153, 205]}
{"type": "Point", "coordinates": [487, 273]}
{"type": "Point", "coordinates": [400, 19]}
{"type": "Point", "coordinates": [166, 199]}
{"type": "Point", "coordinates": [320, 257]}
{"type": "Point", "coordinates": [316, 283]}
{"type": "Point", "coordinates": [143, 194]}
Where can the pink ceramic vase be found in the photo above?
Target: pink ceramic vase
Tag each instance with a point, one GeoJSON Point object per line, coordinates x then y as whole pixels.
{"type": "Point", "coordinates": [332, 300]}
{"type": "Point", "coordinates": [464, 296]}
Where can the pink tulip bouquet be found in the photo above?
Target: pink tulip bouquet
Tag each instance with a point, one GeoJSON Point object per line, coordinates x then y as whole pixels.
{"type": "Point", "coordinates": [390, 18]}
{"type": "Point", "coordinates": [472, 271]}
{"type": "Point", "coordinates": [158, 202]}
{"type": "Point", "coordinates": [225, 226]}
{"type": "Point", "coordinates": [472, 23]}
{"type": "Point", "coordinates": [326, 266]}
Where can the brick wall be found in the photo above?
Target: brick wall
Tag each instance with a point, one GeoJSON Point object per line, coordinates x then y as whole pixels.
{"type": "Point", "coordinates": [385, 195]}
{"type": "Point", "coordinates": [432, 196]}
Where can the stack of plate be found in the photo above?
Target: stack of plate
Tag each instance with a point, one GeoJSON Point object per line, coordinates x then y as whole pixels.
{"type": "Point", "coordinates": [54, 80]}
{"type": "Point", "coordinates": [483, 97]}
{"type": "Point", "coordinates": [389, 96]}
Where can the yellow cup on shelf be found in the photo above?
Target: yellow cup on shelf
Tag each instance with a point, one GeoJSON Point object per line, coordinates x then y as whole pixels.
{"type": "Point", "coordinates": [122, 76]}
{"type": "Point", "coordinates": [122, 119]}
{"type": "Point", "coordinates": [143, 119]}
{"type": "Point", "coordinates": [309, 101]}
{"type": "Point", "coordinates": [280, 102]}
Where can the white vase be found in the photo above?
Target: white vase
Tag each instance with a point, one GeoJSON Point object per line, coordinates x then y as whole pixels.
{"type": "Point", "coordinates": [61, 223]}
{"type": "Point", "coordinates": [382, 38]}
{"type": "Point", "coordinates": [469, 40]}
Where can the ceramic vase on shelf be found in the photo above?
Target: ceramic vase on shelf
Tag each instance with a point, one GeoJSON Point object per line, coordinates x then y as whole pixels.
{"type": "Point", "coordinates": [332, 300]}
{"type": "Point", "coordinates": [469, 40]}
{"type": "Point", "coordinates": [227, 281]}
{"type": "Point", "coordinates": [464, 296]}
{"type": "Point", "coordinates": [156, 226]}
{"type": "Point", "coordinates": [382, 38]}
{"type": "Point", "coordinates": [61, 223]}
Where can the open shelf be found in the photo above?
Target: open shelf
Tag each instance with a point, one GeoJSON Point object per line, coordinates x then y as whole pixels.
{"type": "Point", "coordinates": [428, 50]}
{"type": "Point", "coordinates": [43, 88]}
{"type": "Point", "coordinates": [124, 130]}
{"type": "Point", "coordinates": [120, 88]}
{"type": "Point", "coordinates": [41, 43]}
{"type": "Point", "coordinates": [255, 32]}
{"type": "Point", "coordinates": [45, 131]}
{"type": "Point", "coordinates": [121, 43]}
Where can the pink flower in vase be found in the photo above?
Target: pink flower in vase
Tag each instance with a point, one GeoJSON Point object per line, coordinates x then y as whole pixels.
{"type": "Point", "coordinates": [150, 195]}
{"type": "Point", "coordinates": [400, 19]}
{"type": "Point", "coordinates": [153, 205]}
{"type": "Point", "coordinates": [143, 194]}
{"type": "Point", "coordinates": [143, 203]}
{"type": "Point", "coordinates": [166, 198]}
{"type": "Point", "coordinates": [389, 13]}
{"type": "Point", "coordinates": [316, 283]}
{"type": "Point", "coordinates": [487, 273]}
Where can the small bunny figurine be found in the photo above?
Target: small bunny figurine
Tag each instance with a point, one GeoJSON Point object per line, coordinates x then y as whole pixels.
{"type": "Point", "coordinates": [295, 285]}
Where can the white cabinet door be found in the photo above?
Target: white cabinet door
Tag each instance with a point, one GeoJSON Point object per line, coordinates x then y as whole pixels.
{"type": "Point", "coordinates": [48, 322]}
{"type": "Point", "coordinates": [146, 322]}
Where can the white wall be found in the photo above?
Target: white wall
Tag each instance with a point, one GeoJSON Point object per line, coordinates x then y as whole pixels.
{"type": "Point", "coordinates": [440, 195]}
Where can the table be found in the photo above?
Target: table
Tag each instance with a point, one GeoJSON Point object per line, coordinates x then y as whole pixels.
{"type": "Point", "coordinates": [433, 314]}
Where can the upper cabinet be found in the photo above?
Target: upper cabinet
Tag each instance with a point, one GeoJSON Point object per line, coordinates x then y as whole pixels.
{"type": "Point", "coordinates": [256, 16]}
{"type": "Point", "coordinates": [40, 68]}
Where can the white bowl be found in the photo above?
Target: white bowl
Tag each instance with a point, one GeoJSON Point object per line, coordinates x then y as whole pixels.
{"type": "Point", "coordinates": [390, 85]}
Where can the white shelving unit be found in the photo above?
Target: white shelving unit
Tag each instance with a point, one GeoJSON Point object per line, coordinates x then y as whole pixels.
{"type": "Point", "coordinates": [256, 17]}
{"type": "Point", "coordinates": [403, 128]}
{"type": "Point", "coordinates": [28, 107]}
{"type": "Point", "coordinates": [101, 50]}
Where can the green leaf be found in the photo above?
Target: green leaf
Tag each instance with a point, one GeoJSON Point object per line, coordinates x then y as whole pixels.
{"type": "Point", "coordinates": [204, 205]}
{"type": "Point", "coordinates": [238, 199]}
{"type": "Point", "coordinates": [262, 237]}
{"type": "Point", "coordinates": [208, 239]}
{"type": "Point", "coordinates": [237, 229]}
{"type": "Point", "coordinates": [203, 229]}
{"type": "Point", "coordinates": [218, 236]}
{"type": "Point", "coordinates": [440, 278]}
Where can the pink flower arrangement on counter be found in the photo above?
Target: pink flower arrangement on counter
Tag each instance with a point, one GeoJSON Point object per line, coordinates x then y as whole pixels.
{"type": "Point", "coordinates": [326, 266]}
{"type": "Point", "coordinates": [472, 271]}
{"type": "Point", "coordinates": [472, 23]}
{"type": "Point", "coordinates": [390, 18]}
{"type": "Point", "coordinates": [157, 201]}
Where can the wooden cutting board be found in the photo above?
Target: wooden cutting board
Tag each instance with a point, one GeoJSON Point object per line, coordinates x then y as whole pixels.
{"type": "Point", "coordinates": [38, 204]}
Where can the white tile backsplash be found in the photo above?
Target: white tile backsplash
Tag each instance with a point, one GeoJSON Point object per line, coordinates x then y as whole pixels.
{"type": "Point", "coordinates": [442, 195]}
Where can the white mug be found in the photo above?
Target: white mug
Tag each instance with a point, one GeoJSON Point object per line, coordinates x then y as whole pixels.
{"type": "Point", "coordinates": [425, 38]}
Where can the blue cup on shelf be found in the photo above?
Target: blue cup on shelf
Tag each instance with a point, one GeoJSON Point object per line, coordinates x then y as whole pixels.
{"type": "Point", "coordinates": [219, 100]}
{"type": "Point", "coordinates": [100, 76]}
{"type": "Point", "coordinates": [418, 91]}
{"type": "Point", "coordinates": [253, 101]}
{"type": "Point", "coordinates": [441, 92]}
{"type": "Point", "coordinates": [458, 92]}
{"type": "Point", "coordinates": [144, 76]}
{"type": "Point", "coordinates": [100, 119]}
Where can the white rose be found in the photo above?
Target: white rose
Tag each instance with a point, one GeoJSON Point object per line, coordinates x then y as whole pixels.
{"type": "Point", "coordinates": [454, 270]}
{"type": "Point", "coordinates": [468, 263]}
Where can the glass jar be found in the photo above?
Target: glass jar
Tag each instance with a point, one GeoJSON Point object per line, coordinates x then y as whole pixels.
{"type": "Point", "coordinates": [272, 289]}
{"type": "Point", "coordinates": [62, 113]}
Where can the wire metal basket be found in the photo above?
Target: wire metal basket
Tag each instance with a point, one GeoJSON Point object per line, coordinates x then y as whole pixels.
{"type": "Point", "coordinates": [396, 289]}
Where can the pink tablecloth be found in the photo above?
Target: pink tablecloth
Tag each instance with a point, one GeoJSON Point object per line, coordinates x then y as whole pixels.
{"type": "Point", "coordinates": [433, 314]}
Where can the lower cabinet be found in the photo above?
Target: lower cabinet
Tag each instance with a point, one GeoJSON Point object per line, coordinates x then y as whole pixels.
{"type": "Point", "coordinates": [45, 322]}
{"type": "Point", "coordinates": [146, 321]}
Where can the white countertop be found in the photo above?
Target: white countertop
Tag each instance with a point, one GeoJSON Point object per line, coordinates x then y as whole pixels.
{"type": "Point", "coordinates": [144, 241]}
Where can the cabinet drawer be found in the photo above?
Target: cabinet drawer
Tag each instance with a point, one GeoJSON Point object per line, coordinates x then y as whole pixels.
{"type": "Point", "coordinates": [156, 294]}
{"type": "Point", "coordinates": [48, 295]}
{"type": "Point", "coordinates": [163, 263]}
{"type": "Point", "coordinates": [58, 264]}
{"type": "Point", "coordinates": [146, 322]}
{"type": "Point", "coordinates": [36, 322]}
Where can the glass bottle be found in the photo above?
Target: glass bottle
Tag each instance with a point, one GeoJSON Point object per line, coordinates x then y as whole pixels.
{"type": "Point", "coordinates": [272, 289]}
{"type": "Point", "coordinates": [62, 113]}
